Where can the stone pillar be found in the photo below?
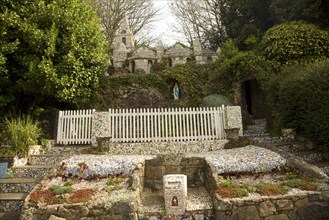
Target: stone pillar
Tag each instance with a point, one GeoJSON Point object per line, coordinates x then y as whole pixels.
{"type": "Point", "coordinates": [233, 119]}
{"type": "Point", "coordinates": [175, 193]}
{"type": "Point", "coordinates": [100, 126]}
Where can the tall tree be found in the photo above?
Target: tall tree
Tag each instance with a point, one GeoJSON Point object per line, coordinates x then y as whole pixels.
{"type": "Point", "coordinates": [313, 11]}
{"type": "Point", "coordinates": [140, 14]}
{"type": "Point", "coordinates": [199, 20]}
{"type": "Point", "coordinates": [50, 52]}
{"type": "Point", "coordinates": [243, 18]}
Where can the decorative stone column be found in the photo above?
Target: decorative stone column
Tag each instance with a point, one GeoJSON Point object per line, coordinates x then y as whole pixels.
{"type": "Point", "coordinates": [233, 119]}
{"type": "Point", "coordinates": [100, 127]}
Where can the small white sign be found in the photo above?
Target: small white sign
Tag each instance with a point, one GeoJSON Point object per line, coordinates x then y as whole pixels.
{"type": "Point", "coordinates": [175, 193]}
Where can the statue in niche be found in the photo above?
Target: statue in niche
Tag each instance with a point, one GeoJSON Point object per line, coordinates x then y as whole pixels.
{"type": "Point", "coordinates": [174, 201]}
{"type": "Point", "coordinates": [176, 91]}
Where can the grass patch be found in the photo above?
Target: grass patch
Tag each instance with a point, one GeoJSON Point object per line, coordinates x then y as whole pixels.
{"type": "Point", "coordinates": [81, 195]}
{"type": "Point", "coordinates": [230, 189]}
{"type": "Point", "coordinates": [59, 190]}
{"type": "Point", "coordinates": [112, 181]}
{"type": "Point", "coordinates": [301, 183]}
{"type": "Point", "coordinates": [69, 182]}
{"type": "Point", "coordinates": [270, 189]}
{"type": "Point", "coordinates": [323, 186]}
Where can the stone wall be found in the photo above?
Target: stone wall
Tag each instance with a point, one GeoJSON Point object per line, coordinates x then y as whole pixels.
{"type": "Point", "coordinates": [156, 168]}
{"type": "Point", "coordinates": [99, 208]}
{"type": "Point", "coordinates": [155, 148]}
{"type": "Point", "coordinates": [301, 206]}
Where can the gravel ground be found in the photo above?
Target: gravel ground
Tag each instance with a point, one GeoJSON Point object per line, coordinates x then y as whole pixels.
{"type": "Point", "coordinates": [245, 159]}
{"type": "Point", "coordinates": [102, 165]}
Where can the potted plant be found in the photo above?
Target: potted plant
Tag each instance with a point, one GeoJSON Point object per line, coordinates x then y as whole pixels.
{"type": "Point", "coordinates": [19, 134]}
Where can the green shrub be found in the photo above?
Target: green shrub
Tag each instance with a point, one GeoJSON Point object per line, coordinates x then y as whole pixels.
{"type": "Point", "coordinates": [19, 133]}
{"type": "Point", "coordinates": [215, 100]}
{"type": "Point", "coordinates": [59, 190]}
{"type": "Point", "coordinates": [300, 97]}
{"type": "Point", "coordinates": [296, 42]}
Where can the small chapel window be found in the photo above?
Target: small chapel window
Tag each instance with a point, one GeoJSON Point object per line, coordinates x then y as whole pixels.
{"type": "Point", "coordinates": [170, 62]}
{"type": "Point", "coordinates": [123, 32]}
{"type": "Point", "coordinates": [124, 41]}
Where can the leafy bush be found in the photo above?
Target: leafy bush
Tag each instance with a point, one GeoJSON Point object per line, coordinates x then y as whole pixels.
{"type": "Point", "coordinates": [296, 42]}
{"type": "Point", "coordinates": [215, 100]}
{"type": "Point", "coordinates": [300, 97]}
{"type": "Point", "coordinates": [128, 90]}
{"type": "Point", "coordinates": [193, 81]}
{"type": "Point", "coordinates": [237, 66]}
{"type": "Point", "coordinates": [19, 133]}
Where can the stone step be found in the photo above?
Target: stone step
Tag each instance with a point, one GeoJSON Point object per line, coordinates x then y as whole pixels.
{"type": "Point", "coordinates": [265, 140]}
{"type": "Point", "coordinates": [292, 146]}
{"type": "Point", "coordinates": [10, 202]}
{"type": "Point", "coordinates": [10, 215]}
{"type": "Point", "coordinates": [32, 171]}
{"type": "Point", "coordinates": [13, 196]}
{"type": "Point", "coordinates": [45, 159]}
{"type": "Point", "coordinates": [261, 121]}
{"type": "Point", "coordinates": [67, 150]}
{"type": "Point", "coordinates": [256, 127]}
{"type": "Point", "coordinates": [323, 165]}
{"type": "Point", "coordinates": [312, 156]}
{"type": "Point", "coordinates": [23, 185]}
{"type": "Point", "coordinates": [252, 135]}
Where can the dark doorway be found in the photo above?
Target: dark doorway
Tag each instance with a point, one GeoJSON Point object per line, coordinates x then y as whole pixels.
{"type": "Point", "coordinates": [253, 99]}
{"type": "Point", "coordinates": [124, 41]}
{"type": "Point", "coordinates": [150, 66]}
{"type": "Point", "coordinates": [133, 67]}
{"type": "Point", "coordinates": [170, 62]}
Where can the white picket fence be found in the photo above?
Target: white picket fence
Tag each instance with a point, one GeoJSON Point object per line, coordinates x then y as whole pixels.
{"type": "Point", "coordinates": [175, 124]}
{"type": "Point", "coordinates": [74, 127]}
{"type": "Point", "coordinates": [145, 125]}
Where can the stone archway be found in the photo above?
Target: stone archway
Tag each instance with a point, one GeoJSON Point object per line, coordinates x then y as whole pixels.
{"type": "Point", "coordinates": [253, 99]}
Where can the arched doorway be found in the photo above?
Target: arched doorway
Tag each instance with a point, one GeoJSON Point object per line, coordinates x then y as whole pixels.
{"type": "Point", "coordinates": [253, 99]}
{"type": "Point", "coordinates": [149, 66]}
{"type": "Point", "coordinates": [170, 62]}
{"type": "Point", "coordinates": [124, 41]}
{"type": "Point", "coordinates": [132, 67]}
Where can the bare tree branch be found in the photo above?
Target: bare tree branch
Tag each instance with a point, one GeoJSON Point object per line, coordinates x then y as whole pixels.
{"type": "Point", "coordinates": [199, 19]}
{"type": "Point", "coordinates": [140, 13]}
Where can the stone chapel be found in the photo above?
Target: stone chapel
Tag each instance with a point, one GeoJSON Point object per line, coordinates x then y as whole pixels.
{"type": "Point", "coordinates": [143, 58]}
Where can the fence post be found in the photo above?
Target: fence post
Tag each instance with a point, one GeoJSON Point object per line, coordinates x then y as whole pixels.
{"type": "Point", "coordinates": [233, 119]}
